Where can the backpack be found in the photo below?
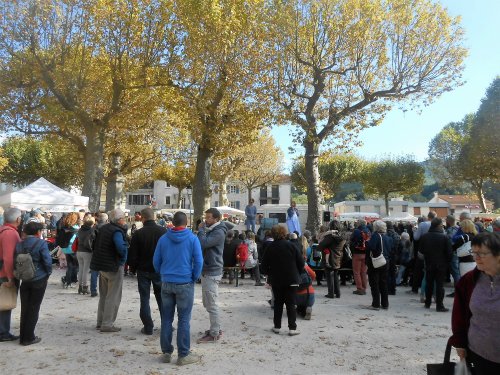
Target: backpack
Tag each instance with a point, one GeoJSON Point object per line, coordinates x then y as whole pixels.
{"type": "Point", "coordinates": [24, 269]}
{"type": "Point", "coordinates": [305, 280]}
{"type": "Point", "coordinates": [315, 255]}
{"type": "Point", "coordinates": [466, 248]}
{"type": "Point", "coordinates": [346, 250]}
{"type": "Point", "coordinates": [242, 254]}
{"type": "Point", "coordinates": [361, 245]}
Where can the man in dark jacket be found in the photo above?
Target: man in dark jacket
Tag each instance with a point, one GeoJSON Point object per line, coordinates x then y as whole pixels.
{"type": "Point", "coordinates": [229, 254]}
{"type": "Point", "coordinates": [332, 246]}
{"type": "Point", "coordinates": [140, 260]}
{"type": "Point", "coordinates": [109, 257]}
{"type": "Point", "coordinates": [436, 248]}
{"type": "Point", "coordinates": [393, 257]}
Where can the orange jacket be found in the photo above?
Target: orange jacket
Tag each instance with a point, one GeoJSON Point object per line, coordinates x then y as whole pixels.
{"type": "Point", "coordinates": [312, 274]}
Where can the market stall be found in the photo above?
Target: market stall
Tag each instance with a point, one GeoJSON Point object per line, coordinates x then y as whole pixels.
{"type": "Point", "coordinates": [46, 196]}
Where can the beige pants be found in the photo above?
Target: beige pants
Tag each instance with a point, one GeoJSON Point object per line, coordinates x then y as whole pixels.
{"type": "Point", "coordinates": [110, 297]}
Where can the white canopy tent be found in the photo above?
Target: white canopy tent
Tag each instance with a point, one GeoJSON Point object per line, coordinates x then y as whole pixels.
{"type": "Point", "coordinates": [353, 216]}
{"type": "Point", "coordinates": [401, 217]}
{"type": "Point", "coordinates": [46, 196]}
{"type": "Point", "coordinates": [230, 211]}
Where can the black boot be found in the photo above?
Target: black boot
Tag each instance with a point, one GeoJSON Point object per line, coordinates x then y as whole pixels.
{"type": "Point", "coordinates": [80, 289]}
{"type": "Point", "coordinates": [85, 290]}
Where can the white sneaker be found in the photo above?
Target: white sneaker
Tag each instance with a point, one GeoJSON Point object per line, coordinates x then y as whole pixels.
{"type": "Point", "coordinates": [293, 332]}
{"type": "Point", "coordinates": [275, 330]}
{"type": "Point", "coordinates": [187, 360]}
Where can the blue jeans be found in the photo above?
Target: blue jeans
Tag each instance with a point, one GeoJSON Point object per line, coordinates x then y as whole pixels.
{"type": "Point", "coordinates": [455, 269]}
{"type": "Point", "coordinates": [401, 272]}
{"type": "Point", "coordinates": [144, 281]}
{"type": "Point", "coordinates": [93, 281]}
{"type": "Point", "coordinates": [181, 295]}
{"type": "Point", "coordinates": [250, 224]}
{"type": "Point", "coordinates": [5, 317]}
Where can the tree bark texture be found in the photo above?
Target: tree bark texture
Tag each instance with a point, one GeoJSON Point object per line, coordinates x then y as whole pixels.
{"type": "Point", "coordinates": [482, 200]}
{"type": "Point", "coordinates": [386, 200]}
{"type": "Point", "coordinates": [223, 201]}
{"type": "Point", "coordinates": [312, 182]}
{"type": "Point", "coordinates": [114, 184]}
{"type": "Point", "coordinates": [94, 160]}
{"type": "Point", "coordinates": [179, 198]}
{"type": "Point", "coordinates": [201, 189]}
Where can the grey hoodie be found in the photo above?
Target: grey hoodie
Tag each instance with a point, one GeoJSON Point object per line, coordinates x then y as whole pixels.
{"type": "Point", "coordinates": [212, 245]}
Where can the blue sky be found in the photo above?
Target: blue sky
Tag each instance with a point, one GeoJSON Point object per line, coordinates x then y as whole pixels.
{"type": "Point", "coordinates": [410, 132]}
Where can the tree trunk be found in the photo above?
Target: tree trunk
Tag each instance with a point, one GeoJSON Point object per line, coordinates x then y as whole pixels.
{"type": "Point", "coordinates": [480, 196]}
{"type": "Point", "coordinates": [223, 201]}
{"type": "Point", "coordinates": [114, 184]}
{"type": "Point", "coordinates": [386, 200]}
{"type": "Point", "coordinates": [179, 200]}
{"type": "Point", "coordinates": [249, 190]}
{"type": "Point", "coordinates": [312, 183]}
{"type": "Point", "coordinates": [94, 160]}
{"type": "Point", "coordinates": [201, 186]}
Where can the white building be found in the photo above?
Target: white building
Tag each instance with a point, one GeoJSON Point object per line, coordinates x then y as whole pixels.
{"type": "Point", "coordinates": [397, 207]}
{"type": "Point", "coordinates": [160, 195]}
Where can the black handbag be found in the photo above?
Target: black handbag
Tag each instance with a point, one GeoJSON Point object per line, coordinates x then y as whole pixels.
{"type": "Point", "coordinates": [445, 368]}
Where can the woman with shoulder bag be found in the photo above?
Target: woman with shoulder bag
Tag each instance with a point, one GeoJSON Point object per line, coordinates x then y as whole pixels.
{"type": "Point", "coordinates": [33, 290]}
{"type": "Point", "coordinates": [476, 309]}
{"type": "Point", "coordinates": [377, 257]}
{"type": "Point", "coordinates": [463, 248]}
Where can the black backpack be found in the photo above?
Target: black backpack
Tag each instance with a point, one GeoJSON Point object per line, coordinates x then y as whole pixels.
{"type": "Point", "coordinates": [305, 280]}
{"type": "Point", "coordinates": [315, 255]}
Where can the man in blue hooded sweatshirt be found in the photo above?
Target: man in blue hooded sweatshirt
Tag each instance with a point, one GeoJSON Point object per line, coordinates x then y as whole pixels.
{"type": "Point", "coordinates": [179, 261]}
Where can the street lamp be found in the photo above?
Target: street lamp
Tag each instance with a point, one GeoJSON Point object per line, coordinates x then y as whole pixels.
{"type": "Point", "coordinates": [189, 192]}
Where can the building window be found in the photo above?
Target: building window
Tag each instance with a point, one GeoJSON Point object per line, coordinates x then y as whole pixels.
{"type": "Point", "coordinates": [167, 199]}
{"type": "Point", "coordinates": [233, 189]}
{"type": "Point", "coordinates": [235, 204]}
{"type": "Point", "coordinates": [405, 208]}
{"type": "Point", "coordinates": [357, 208]}
{"type": "Point", "coordinates": [138, 199]}
{"type": "Point", "coordinates": [275, 201]}
{"type": "Point", "coordinates": [263, 201]}
{"type": "Point", "coordinates": [263, 192]}
{"type": "Point", "coordinates": [275, 192]}
{"type": "Point", "coordinates": [216, 203]}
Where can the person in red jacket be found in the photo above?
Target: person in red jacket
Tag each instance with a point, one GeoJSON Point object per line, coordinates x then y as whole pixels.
{"type": "Point", "coordinates": [9, 238]}
{"type": "Point", "coordinates": [476, 309]}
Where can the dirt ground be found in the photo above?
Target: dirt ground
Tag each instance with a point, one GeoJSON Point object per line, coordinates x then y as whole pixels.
{"type": "Point", "coordinates": [341, 337]}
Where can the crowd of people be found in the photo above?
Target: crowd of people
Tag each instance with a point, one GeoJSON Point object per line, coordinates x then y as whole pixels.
{"type": "Point", "coordinates": [172, 258]}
